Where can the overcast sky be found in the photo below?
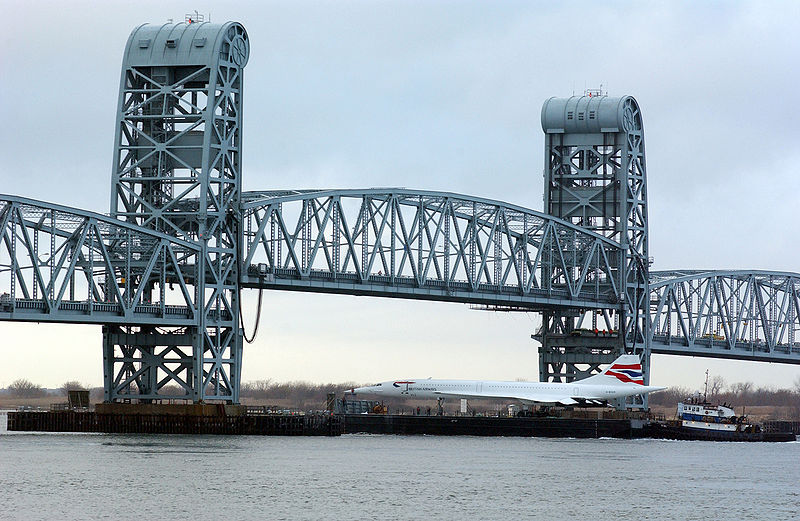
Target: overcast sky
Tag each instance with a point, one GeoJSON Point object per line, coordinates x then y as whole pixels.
{"type": "Point", "coordinates": [436, 96]}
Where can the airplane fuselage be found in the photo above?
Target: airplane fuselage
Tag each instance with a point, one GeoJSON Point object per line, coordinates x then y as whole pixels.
{"type": "Point", "coordinates": [620, 379]}
{"type": "Point", "coordinates": [434, 388]}
{"type": "Point", "coordinates": [543, 392]}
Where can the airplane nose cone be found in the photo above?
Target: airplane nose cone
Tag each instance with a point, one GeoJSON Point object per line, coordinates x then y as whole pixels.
{"type": "Point", "coordinates": [367, 390]}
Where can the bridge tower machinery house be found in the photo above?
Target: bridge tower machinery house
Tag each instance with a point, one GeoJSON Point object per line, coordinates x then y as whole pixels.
{"type": "Point", "coordinates": [595, 177]}
{"type": "Point", "coordinates": [177, 171]}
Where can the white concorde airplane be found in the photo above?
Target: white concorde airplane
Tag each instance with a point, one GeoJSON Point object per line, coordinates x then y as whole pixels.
{"type": "Point", "coordinates": [622, 378]}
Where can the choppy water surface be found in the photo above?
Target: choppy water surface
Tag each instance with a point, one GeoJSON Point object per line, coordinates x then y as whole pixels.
{"type": "Point", "coordinates": [79, 476]}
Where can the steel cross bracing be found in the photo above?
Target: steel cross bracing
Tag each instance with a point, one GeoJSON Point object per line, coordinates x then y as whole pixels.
{"type": "Point", "coordinates": [745, 315]}
{"type": "Point", "coordinates": [424, 245]}
{"type": "Point", "coordinates": [60, 264]}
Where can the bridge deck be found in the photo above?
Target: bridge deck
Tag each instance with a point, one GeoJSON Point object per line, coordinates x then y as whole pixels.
{"type": "Point", "coordinates": [74, 312]}
{"type": "Point", "coordinates": [709, 348]}
{"type": "Point", "coordinates": [408, 287]}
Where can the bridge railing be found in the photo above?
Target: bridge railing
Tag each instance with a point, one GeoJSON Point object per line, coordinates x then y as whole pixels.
{"type": "Point", "coordinates": [726, 314]}
{"type": "Point", "coordinates": [431, 245]}
{"type": "Point", "coordinates": [61, 264]}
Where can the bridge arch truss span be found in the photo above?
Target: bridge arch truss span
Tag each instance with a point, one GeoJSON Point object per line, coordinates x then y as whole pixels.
{"type": "Point", "coordinates": [60, 264]}
{"type": "Point", "coordinates": [746, 315]}
{"type": "Point", "coordinates": [424, 245]}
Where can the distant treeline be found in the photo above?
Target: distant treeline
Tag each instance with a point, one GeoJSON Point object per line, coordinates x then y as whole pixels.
{"type": "Point", "coordinates": [738, 394]}
{"type": "Point", "coordinates": [303, 394]}
{"type": "Point", "coordinates": [23, 388]}
{"type": "Point", "coordinates": [298, 393]}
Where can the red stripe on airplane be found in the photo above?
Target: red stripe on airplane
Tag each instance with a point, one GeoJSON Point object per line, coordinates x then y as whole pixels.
{"type": "Point", "coordinates": [625, 378]}
{"type": "Point", "coordinates": [638, 367]}
{"type": "Point", "coordinates": [404, 382]}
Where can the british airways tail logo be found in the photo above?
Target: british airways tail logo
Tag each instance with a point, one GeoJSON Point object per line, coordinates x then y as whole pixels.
{"type": "Point", "coordinates": [627, 373]}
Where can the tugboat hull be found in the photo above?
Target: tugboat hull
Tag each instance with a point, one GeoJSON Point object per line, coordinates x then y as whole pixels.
{"type": "Point", "coordinates": [676, 431]}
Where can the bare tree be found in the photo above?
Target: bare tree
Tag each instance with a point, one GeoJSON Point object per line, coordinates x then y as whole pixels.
{"type": "Point", "coordinates": [96, 394]}
{"type": "Point", "coordinates": [256, 389]}
{"type": "Point", "coordinates": [173, 390]}
{"type": "Point", "coordinates": [715, 385]}
{"type": "Point", "coordinates": [23, 388]}
{"type": "Point", "coordinates": [742, 389]}
{"type": "Point", "coordinates": [72, 385]}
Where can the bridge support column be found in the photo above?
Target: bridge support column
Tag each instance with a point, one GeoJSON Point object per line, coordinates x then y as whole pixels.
{"type": "Point", "coordinates": [177, 170]}
{"type": "Point", "coordinates": [568, 353]}
{"type": "Point", "coordinates": [148, 365]}
{"type": "Point", "coordinates": [595, 177]}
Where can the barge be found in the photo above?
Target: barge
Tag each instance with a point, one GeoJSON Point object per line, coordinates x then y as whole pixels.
{"type": "Point", "coordinates": [551, 427]}
{"type": "Point", "coordinates": [175, 419]}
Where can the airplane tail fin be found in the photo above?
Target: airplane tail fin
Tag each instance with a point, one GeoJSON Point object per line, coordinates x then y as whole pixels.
{"type": "Point", "coordinates": [625, 370]}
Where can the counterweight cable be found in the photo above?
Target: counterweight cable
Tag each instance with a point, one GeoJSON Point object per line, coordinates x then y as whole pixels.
{"type": "Point", "coordinates": [237, 225]}
{"type": "Point", "coordinates": [258, 316]}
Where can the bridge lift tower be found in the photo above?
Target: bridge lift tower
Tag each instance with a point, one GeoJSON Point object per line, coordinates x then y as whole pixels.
{"type": "Point", "coordinates": [177, 170]}
{"type": "Point", "coordinates": [595, 177]}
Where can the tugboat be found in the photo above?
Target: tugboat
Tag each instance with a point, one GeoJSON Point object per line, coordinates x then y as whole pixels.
{"type": "Point", "coordinates": [697, 413]}
{"type": "Point", "coordinates": [698, 419]}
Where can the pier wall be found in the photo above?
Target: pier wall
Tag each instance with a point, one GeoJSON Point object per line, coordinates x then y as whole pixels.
{"type": "Point", "coordinates": [148, 422]}
{"type": "Point", "coordinates": [492, 426]}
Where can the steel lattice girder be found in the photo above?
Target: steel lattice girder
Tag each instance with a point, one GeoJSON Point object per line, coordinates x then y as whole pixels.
{"type": "Point", "coordinates": [60, 264]}
{"type": "Point", "coordinates": [746, 315]}
{"type": "Point", "coordinates": [424, 245]}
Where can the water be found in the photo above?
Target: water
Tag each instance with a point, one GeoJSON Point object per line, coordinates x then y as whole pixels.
{"type": "Point", "coordinates": [99, 476]}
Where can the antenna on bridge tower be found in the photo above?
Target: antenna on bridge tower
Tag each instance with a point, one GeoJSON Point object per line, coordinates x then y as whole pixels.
{"type": "Point", "coordinates": [195, 17]}
{"type": "Point", "coordinates": [594, 93]}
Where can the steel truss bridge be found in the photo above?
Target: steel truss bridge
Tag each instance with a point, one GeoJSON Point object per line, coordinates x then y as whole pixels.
{"type": "Point", "coordinates": [745, 315]}
{"type": "Point", "coordinates": [424, 245]}
{"type": "Point", "coordinates": [163, 272]}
